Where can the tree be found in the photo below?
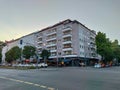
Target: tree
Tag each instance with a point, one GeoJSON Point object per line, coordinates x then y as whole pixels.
{"type": "Point", "coordinates": [45, 54]}
{"type": "Point", "coordinates": [116, 49]}
{"type": "Point", "coordinates": [104, 46]}
{"type": "Point", "coordinates": [2, 44]}
{"type": "Point", "coordinates": [13, 54]}
{"type": "Point", "coordinates": [28, 51]}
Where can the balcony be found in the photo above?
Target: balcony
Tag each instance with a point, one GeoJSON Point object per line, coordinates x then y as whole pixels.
{"type": "Point", "coordinates": [50, 45]}
{"type": "Point", "coordinates": [39, 47]}
{"type": "Point", "coordinates": [50, 39]}
{"type": "Point", "coordinates": [39, 42]}
{"type": "Point", "coordinates": [51, 33]}
{"type": "Point", "coordinates": [70, 55]}
{"type": "Point", "coordinates": [67, 49]}
{"type": "Point", "coordinates": [67, 28]}
{"type": "Point", "coordinates": [39, 36]}
{"type": "Point", "coordinates": [67, 35]}
{"type": "Point", "coordinates": [53, 51]}
{"type": "Point", "coordinates": [66, 42]}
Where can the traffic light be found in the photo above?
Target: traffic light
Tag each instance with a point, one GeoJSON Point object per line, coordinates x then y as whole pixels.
{"type": "Point", "coordinates": [21, 41]}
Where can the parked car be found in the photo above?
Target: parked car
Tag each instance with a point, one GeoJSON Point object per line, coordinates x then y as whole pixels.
{"type": "Point", "coordinates": [97, 65]}
{"type": "Point", "coordinates": [42, 65]}
{"type": "Point", "coordinates": [82, 64]}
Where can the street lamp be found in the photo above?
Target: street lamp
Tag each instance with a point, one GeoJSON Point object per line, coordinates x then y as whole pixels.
{"type": "Point", "coordinates": [44, 45]}
{"type": "Point", "coordinates": [57, 58]}
{"type": "Point", "coordinates": [88, 44]}
{"type": "Point", "coordinates": [21, 42]}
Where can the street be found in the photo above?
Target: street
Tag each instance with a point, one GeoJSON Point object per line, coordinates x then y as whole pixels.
{"type": "Point", "coordinates": [66, 78]}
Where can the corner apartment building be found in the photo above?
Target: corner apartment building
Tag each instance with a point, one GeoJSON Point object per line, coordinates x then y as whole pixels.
{"type": "Point", "coordinates": [68, 39]}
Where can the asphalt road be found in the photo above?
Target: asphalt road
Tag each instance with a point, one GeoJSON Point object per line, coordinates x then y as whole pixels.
{"type": "Point", "coordinates": [67, 78]}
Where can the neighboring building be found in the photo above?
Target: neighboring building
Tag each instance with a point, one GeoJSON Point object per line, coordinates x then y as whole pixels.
{"type": "Point", "coordinates": [9, 44]}
{"type": "Point", "coordinates": [29, 40]}
{"type": "Point", "coordinates": [68, 39]}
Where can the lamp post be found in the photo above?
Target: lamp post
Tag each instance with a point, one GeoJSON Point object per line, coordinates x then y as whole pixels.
{"type": "Point", "coordinates": [57, 59]}
{"type": "Point", "coordinates": [21, 42]}
{"type": "Point", "coordinates": [44, 45]}
{"type": "Point", "coordinates": [88, 44]}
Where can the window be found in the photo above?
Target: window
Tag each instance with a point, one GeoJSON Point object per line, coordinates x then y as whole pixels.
{"type": "Point", "coordinates": [68, 52]}
{"type": "Point", "coordinates": [53, 54]}
{"type": "Point", "coordinates": [51, 42]}
{"type": "Point", "coordinates": [52, 48]}
{"type": "Point", "coordinates": [40, 39]}
{"type": "Point", "coordinates": [66, 32]}
{"type": "Point", "coordinates": [51, 36]}
{"type": "Point", "coordinates": [67, 46]}
{"type": "Point", "coordinates": [51, 31]}
{"type": "Point", "coordinates": [67, 39]}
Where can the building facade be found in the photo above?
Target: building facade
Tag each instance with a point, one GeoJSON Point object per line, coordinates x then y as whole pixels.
{"type": "Point", "coordinates": [9, 44]}
{"type": "Point", "coordinates": [27, 40]}
{"type": "Point", "coordinates": [68, 39]}
{"type": "Point", "coordinates": [65, 40]}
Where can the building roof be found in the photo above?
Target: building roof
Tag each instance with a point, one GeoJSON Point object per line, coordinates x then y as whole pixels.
{"type": "Point", "coordinates": [50, 27]}
{"type": "Point", "coordinates": [65, 22]}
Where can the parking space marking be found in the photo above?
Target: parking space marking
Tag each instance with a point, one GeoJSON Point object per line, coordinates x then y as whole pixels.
{"type": "Point", "coordinates": [29, 83]}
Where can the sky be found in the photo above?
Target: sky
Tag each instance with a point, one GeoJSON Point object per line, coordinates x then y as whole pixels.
{"type": "Point", "coordinates": [22, 17]}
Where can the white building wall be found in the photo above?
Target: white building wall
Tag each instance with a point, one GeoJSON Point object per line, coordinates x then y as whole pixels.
{"type": "Point", "coordinates": [4, 50]}
{"type": "Point", "coordinates": [80, 40]}
{"type": "Point", "coordinates": [9, 45]}
{"type": "Point", "coordinates": [26, 40]}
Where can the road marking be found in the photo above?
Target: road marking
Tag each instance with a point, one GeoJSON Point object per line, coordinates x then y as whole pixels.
{"type": "Point", "coordinates": [49, 88]}
{"type": "Point", "coordinates": [42, 86]}
{"type": "Point", "coordinates": [37, 85]}
{"type": "Point", "coordinates": [19, 81]}
{"type": "Point", "coordinates": [29, 83]}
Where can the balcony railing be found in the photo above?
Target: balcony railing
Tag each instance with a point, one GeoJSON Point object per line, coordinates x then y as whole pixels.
{"type": "Point", "coordinates": [50, 39]}
{"type": "Point", "coordinates": [66, 42]}
{"type": "Point", "coordinates": [67, 28]}
{"type": "Point", "coordinates": [67, 49]}
{"type": "Point", "coordinates": [67, 35]}
{"type": "Point", "coordinates": [51, 33]}
{"type": "Point", "coordinates": [49, 45]}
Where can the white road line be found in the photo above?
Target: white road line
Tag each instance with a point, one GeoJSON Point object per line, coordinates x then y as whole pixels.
{"type": "Point", "coordinates": [49, 88]}
{"type": "Point", "coordinates": [37, 85]}
{"type": "Point", "coordinates": [42, 86]}
{"type": "Point", "coordinates": [29, 83]}
{"type": "Point", "coordinates": [19, 81]}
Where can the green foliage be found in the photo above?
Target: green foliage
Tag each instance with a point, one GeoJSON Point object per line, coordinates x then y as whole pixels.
{"type": "Point", "coordinates": [28, 51]}
{"type": "Point", "coordinates": [45, 54]}
{"type": "Point", "coordinates": [104, 46]}
{"type": "Point", "coordinates": [2, 44]}
{"type": "Point", "coordinates": [116, 49]}
{"type": "Point", "coordinates": [13, 54]}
